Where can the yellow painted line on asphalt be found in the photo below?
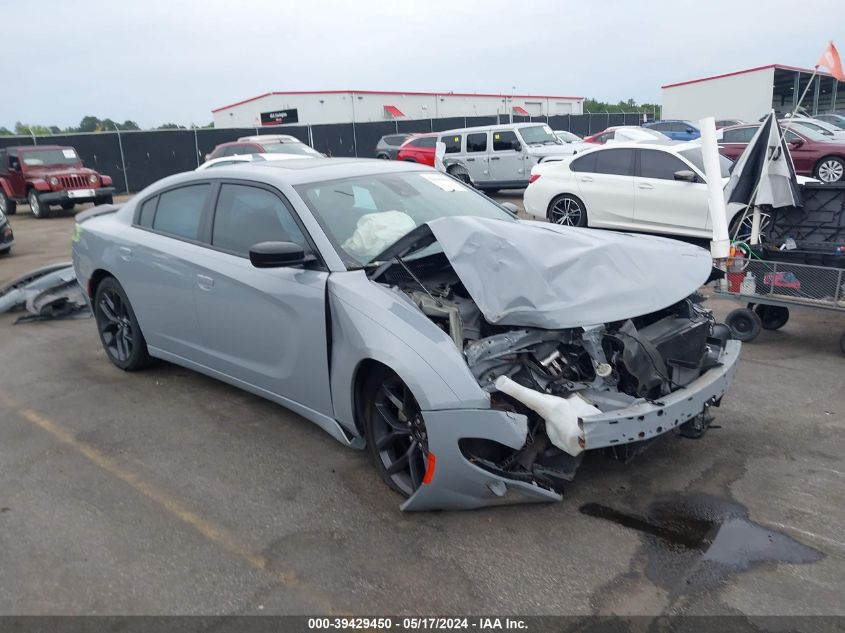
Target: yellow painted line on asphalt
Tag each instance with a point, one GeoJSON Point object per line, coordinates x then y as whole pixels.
{"type": "Point", "coordinates": [206, 528]}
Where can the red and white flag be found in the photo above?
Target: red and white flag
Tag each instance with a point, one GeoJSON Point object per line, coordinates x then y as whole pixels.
{"type": "Point", "coordinates": [830, 60]}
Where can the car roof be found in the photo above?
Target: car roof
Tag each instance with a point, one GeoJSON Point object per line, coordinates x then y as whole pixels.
{"type": "Point", "coordinates": [40, 147]}
{"type": "Point", "coordinates": [301, 170]}
{"type": "Point", "coordinates": [495, 127]}
{"type": "Point", "coordinates": [671, 146]}
{"type": "Point", "coordinates": [269, 138]}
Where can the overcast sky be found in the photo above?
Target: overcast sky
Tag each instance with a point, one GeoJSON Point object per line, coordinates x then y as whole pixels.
{"type": "Point", "coordinates": [157, 61]}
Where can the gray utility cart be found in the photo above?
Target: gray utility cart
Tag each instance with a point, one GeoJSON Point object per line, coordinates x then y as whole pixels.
{"type": "Point", "coordinates": [771, 288]}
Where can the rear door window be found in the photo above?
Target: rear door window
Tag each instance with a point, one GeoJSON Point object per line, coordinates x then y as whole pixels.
{"type": "Point", "coordinates": [477, 142]}
{"type": "Point", "coordinates": [586, 163]}
{"type": "Point", "coordinates": [148, 211]}
{"type": "Point", "coordinates": [179, 211]}
{"type": "Point", "coordinates": [615, 162]}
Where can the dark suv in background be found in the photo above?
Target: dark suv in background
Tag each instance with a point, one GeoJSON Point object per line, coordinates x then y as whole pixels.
{"type": "Point", "coordinates": [45, 175]}
{"type": "Point", "coordinates": [388, 145]}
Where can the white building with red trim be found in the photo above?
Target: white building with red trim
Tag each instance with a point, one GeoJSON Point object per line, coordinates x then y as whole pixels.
{"type": "Point", "coordinates": [749, 94]}
{"type": "Point", "coordinates": [360, 106]}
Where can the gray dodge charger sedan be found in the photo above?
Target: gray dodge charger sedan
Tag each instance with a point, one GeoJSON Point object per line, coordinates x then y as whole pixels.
{"type": "Point", "coordinates": [474, 355]}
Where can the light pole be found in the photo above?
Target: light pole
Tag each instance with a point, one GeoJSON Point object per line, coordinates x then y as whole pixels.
{"type": "Point", "coordinates": [513, 95]}
{"type": "Point", "coordinates": [122, 158]}
{"type": "Point", "coordinates": [32, 134]}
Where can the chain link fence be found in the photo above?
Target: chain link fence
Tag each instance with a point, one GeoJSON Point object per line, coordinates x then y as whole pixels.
{"type": "Point", "coordinates": [135, 159]}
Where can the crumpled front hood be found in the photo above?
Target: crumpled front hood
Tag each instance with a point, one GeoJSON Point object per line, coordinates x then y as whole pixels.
{"type": "Point", "coordinates": [537, 274]}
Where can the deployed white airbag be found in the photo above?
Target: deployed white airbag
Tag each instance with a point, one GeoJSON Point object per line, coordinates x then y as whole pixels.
{"type": "Point", "coordinates": [376, 231]}
{"type": "Point", "coordinates": [561, 414]}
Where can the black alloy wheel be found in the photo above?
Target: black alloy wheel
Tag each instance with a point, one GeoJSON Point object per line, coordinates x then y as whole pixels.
{"type": "Point", "coordinates": [118, 328]}
{"type": "Point", "coordinates": [395, 431]}
{"type": "Point", "coordinates": [568, 211]}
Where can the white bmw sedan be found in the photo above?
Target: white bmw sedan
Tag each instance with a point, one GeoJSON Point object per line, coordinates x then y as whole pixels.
{"type": "Point", "coordinates": [652, 188]}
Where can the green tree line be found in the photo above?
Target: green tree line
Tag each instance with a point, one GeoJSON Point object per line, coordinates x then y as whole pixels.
{"type": "Point", "coordinates": [87, 124]}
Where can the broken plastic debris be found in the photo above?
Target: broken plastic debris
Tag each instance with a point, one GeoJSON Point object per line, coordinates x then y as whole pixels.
{"type": "Point", "coordinates": [561, 414]}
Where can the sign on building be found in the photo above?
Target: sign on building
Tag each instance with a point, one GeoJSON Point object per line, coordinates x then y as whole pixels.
{"type": "Point", "coordinates": [280, 117]}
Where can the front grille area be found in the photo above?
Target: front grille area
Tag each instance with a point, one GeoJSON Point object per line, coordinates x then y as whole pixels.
{"type": "Point", "coordinates": [74, 182]}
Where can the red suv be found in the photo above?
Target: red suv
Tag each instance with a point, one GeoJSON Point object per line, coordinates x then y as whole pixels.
{"type": "Point", "coordinates": [418, 149]}
{"type": "Point", "coordinates": [811, 153]}
{"type": "Point", "coordinates": [264, 144]}
{"type": "Point", "coordinates": [48, 174]}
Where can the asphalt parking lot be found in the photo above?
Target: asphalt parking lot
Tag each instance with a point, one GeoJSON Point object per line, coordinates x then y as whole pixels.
{"type": "Point", "coordinates": [166, 492]}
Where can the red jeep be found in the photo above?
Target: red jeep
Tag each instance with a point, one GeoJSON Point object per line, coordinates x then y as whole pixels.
{"type": "Point", "coordinates": [48, 174]}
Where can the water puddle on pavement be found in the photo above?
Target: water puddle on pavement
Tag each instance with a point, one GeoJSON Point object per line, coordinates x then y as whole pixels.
{"type": "Point", "coordinates": [693, 542]}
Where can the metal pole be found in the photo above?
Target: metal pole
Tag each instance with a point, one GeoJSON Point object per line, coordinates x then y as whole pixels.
{"type": "Point", "coordinates": [513, 94]}
{"type": "Point", "coordinates": [122, 158]}
{"type": "Point", "coordinates": [197, 146]}
{"type": "Point", "coordinates": [354, 138]}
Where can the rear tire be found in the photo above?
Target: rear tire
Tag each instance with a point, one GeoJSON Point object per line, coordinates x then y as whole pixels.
{"type": "Point", "coordinates": [456, 171]}
{"type": "Point", "coordinates": [39, 209]}
{"type": "Point", "coordinates": [744, 324]}
{"type": "Point", "coordinates": [394, 430]}
{"type": "Point", "coordinates": [119, 331]}
{"type": "Point", "coordinates": [830, 169]}
{"type": "Point", "coordinates": [567, 210]}
{"type": "Point", "coordinates": [8, 207]}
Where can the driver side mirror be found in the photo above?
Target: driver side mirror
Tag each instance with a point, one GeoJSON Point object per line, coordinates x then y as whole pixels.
{"type": "Point", "coordinates": [278, 255]}
{"type": "Point", "coordinates": [516, 145]}
{"type": "Point", "coordinates": [798, 142]}
{"type": "Point", "coordinates": [690, 130]}
{"type": "Point", "coordinates": [685, 175]}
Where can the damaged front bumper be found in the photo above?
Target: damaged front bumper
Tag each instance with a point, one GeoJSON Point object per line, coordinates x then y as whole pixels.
{"type": "Point", "coordinates": [459, 484]}
{"type": "Point", "coordinates": [643, 420]}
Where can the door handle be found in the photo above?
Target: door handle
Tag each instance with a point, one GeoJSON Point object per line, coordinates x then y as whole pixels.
{"type": "Point", "coordinates": [125, 252]}
{"type": "Point", "coordinates": [645, 185]}
{"type": "Point", "coordinates": [495, 158]}
{"type": "Point", "coordinates": [205, 282]}
{"type": "Point", "coordinates": [470, 160]}
{"type": "Point", "coordinates": [586, 179]}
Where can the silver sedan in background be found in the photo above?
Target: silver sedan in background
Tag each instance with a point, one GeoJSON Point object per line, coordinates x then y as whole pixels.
{"type": "Point", "coordinates": [475, 356]}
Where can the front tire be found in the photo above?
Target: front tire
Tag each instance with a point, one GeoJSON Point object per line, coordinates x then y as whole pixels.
{"type": "Point", "coordinates": [39, 209]}
{"type": "Point", "coordinates": [395, 431]}
{"type": "Point", "coordinates": [68, 206]}
{"type": "Point", "coordinates": [7, 207]}
{"type": "Point", "coordinates": [567, 210]}
{"type": "Point", "coordinates": [744, 324]}
{"type": "Point", "coordinates": [830, 169]}
{"type": "Point", "coordinates": [104, 200]}
{"type": "Point", "coordinates": [119, 331]}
